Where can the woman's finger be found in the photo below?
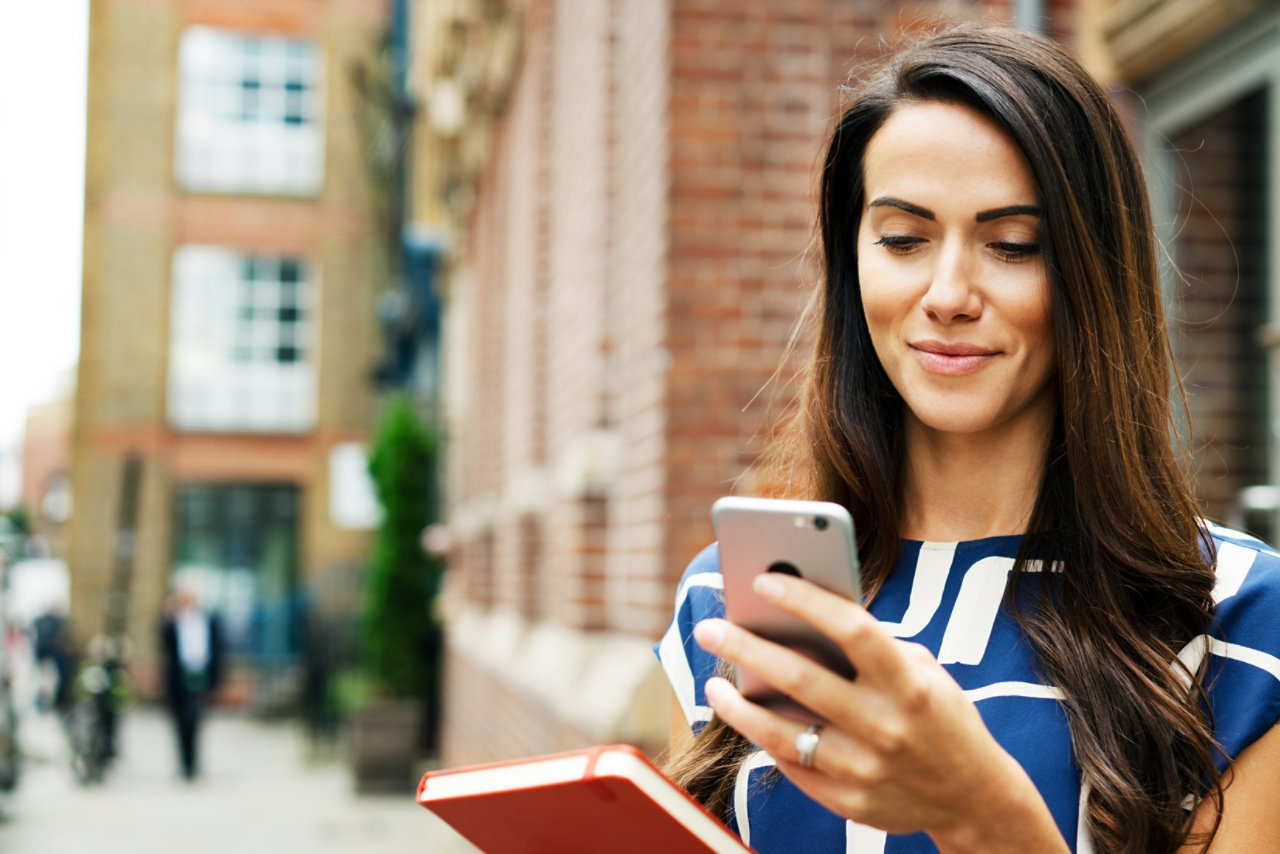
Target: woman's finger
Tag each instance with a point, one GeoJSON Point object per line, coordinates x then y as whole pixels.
{"type": "Point", "coordinates": [877, 656]}
{"type": "Point", "coordinates": [889, 678]}
{"type": "Point", "coordinates": [793, 674]}
{"type": "Point", "coordinates": [786, 740]}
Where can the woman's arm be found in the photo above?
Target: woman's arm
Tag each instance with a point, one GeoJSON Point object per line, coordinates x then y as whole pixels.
{"type": "Point", "coordinates": [1250, 819]}
{"type": "Point", "coordinates": [903, 749]}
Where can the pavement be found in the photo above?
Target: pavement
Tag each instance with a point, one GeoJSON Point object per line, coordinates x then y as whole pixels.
{"type": "Point", "coordinates": [263, 789]}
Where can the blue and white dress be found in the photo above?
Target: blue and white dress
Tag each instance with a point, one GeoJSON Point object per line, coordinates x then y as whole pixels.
{"type": "Point", "coordinates": [949, 597]}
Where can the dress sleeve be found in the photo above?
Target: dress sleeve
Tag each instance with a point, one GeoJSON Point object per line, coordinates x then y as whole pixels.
{"type": "Point", "coordinates": [687, 665]}
{"type": "Point", "coordinates": [1242, 674]}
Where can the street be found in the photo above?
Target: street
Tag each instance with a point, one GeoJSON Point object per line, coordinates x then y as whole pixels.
{"type": "Point", "coordinates": [261, 792]}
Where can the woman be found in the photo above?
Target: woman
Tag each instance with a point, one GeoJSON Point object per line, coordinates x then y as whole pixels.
{"type": "Point", "coordinates": [1041, 663]}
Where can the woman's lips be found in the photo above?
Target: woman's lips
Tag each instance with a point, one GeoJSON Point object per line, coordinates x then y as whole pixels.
{"type": "Point", "coordinates": [951, 359]}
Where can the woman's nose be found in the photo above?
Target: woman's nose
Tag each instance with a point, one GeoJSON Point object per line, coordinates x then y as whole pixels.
{"type": "Point", "coordinates": [952, 294]}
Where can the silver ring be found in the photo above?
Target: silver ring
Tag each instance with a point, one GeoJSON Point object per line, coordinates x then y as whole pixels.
{"type": "Point", "coordinates": [807, 745]}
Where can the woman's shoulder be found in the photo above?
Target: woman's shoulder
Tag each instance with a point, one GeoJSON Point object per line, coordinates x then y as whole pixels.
{"type": "Point", "coordinates": [1240, 653]}
{"type": "Point", "coordinates": [1247, 571]}
{"type": "Point", "coordinates": [705, 563]}
{"type": "Point", "coordinates": [687, 665]}
{"type": "Point", "coordinates": [700, 593]}
{"type": "Point", "coordinates": [701, 582]}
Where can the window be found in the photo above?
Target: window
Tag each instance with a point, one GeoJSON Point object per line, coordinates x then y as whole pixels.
{"type": "Point", "coordinates": [249, 114]}
{"type": "Point", "coordinates": [239, 544]}
{"type": "Point", "coordinates": [241, 346]}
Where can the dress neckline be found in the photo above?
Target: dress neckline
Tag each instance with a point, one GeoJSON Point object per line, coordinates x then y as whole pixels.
{"type": "Point", "coordinates": [955, 544]}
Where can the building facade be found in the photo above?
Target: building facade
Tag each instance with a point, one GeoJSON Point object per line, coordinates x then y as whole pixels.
{"type": "Point", "coordinates": [626, 193]}
{"type": "Point", "coordinates": [46, 473]}
{"type": "Point", "coordinates": [233, 258]}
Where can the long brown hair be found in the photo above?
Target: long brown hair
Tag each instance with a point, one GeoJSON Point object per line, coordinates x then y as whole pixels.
{"type": "Point", "coordinates": [1114, 509]}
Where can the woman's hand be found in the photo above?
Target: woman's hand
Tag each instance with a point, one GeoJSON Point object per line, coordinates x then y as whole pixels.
{"type": "Point", "coordinates": [903, 748]}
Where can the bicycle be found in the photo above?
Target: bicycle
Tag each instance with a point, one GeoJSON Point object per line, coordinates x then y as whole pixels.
{"type": "Point", "coordinates": [91, 722]}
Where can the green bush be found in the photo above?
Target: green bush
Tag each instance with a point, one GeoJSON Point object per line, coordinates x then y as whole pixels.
{"type": "Point", "coordinates": [397, 629]}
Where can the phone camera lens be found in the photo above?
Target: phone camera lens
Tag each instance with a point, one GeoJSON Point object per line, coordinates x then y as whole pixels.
{"type": "Point", "coordinates": [820, 523]}
{"type": "Point", "coordinates": [783, 568]}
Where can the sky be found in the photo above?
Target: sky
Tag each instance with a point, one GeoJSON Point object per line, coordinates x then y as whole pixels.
{"type": "Point", "coordinates": [43, 67]}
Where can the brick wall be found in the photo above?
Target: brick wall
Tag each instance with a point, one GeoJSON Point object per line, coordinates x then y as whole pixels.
{"type": "Point", "coordinates": [639, 355]}
{"type": "Point", "coordinates": [124, 306]}
{"type": "Point", "coordinates": [639, 250]}
{"type": "Point", "coordinates": [634, 264]}
{"type": "Point", "coordinates": [557, 441]}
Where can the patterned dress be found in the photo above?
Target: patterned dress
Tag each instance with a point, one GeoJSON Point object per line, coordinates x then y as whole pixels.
{"type": "Point", "coordinates": [950, 598]}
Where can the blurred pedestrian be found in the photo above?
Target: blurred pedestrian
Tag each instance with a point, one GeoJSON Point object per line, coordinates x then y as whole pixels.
{"type": "Point", "coordinates": [51, 647]}
{"type": "Point", "coordinates": [191, 641]}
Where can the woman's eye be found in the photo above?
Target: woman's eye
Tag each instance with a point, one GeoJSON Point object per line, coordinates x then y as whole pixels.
{"type": "Point", "coordinates": [899, 244]}
{"type": "Point", "coordinates": [1015, 251]}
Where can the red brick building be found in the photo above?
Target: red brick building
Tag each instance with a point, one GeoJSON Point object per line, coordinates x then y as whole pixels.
{"type": "Point", "coordinates": [46, 470]}
{"type": "Point", "coordinates": [629, 209]}
{"type": "Point", "coordinates": [625, 190]}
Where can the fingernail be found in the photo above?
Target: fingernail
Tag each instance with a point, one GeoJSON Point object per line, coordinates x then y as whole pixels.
{"type": "Point", "coordinates": [768, 587]}
{"type": "Point", "coordinates": [709, 634]}
{"type": "Point", "coordinates": [714, 691]}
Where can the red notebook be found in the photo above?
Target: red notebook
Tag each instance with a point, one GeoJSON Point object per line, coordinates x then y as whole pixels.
{"type": "Point", "coordinates": [600, 799]}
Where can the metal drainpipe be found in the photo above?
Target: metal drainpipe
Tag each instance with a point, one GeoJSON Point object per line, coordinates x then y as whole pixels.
{"type": "Point", "coordinates": [1029, 15]}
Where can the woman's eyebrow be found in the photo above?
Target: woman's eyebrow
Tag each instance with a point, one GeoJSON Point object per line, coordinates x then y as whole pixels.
{"type": "Point", "coordinates": [982, 216]}
{"type": "Point", "coordinates": [1011, 210]}
{"type": "Point", "coordinates": [890, 202]}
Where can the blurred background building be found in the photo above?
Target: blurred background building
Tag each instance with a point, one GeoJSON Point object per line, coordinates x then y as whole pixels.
{"type": "Point", "coordinates": [46, 472]}
{"type": "Point", "coordinates": [235, 252]}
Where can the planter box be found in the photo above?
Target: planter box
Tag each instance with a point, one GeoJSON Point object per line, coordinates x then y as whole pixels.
{"type": "Point", "coordinates": [384, 746]}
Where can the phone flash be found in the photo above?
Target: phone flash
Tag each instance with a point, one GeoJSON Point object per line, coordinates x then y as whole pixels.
{"type": "Point", "coordinates": [799, 521]}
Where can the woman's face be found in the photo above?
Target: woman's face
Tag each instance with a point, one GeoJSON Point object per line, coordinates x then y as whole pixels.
{"type": "Point", "coordinates": [954, 285]}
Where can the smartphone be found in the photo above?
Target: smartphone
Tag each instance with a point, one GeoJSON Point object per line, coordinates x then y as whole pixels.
{"type": "Point", "coordinates": [808, 539]}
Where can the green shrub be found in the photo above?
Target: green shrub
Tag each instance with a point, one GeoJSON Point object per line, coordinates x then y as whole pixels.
{"type": "Point", "coordinates": [397, 627]}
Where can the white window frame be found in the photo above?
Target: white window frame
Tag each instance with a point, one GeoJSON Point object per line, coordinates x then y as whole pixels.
{"type": "Point", "coordinates": [225, 370]}
{"type": "Point", "coordinates": [234, 137]}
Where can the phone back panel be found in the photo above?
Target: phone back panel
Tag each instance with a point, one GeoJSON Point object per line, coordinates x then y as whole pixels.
{"type": "Point", "coordinates": [811, 539]}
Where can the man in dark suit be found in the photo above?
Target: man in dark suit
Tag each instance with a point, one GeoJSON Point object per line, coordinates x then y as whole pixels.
{"type": "Point", "coordinates": [51, 644]}
{"type": "Point", "coordinates": [191, 640]}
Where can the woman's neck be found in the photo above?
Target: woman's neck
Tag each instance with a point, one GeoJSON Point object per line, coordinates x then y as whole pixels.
{"type": "Point", "coordinates": [966, 487]}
